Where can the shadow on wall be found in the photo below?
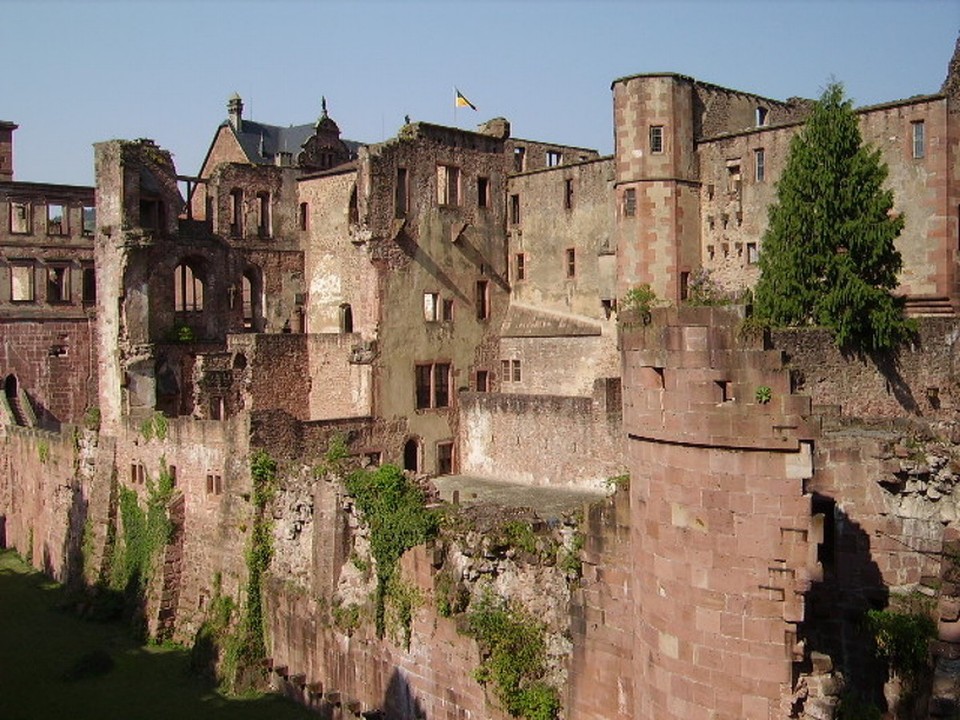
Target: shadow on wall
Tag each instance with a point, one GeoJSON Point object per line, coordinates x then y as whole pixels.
{"type": "Point", "coordinates": [399, 702]}
{"type": "Point", "coordinates": [836, 606]}
{"type": "Point", "coordinates": [888, 365]}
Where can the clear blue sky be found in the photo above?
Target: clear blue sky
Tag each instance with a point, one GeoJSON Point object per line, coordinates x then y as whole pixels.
{"type": "Point", "coordinates": [79, 72]}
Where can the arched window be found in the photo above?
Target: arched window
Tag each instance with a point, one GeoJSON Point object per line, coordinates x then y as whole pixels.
{"type": "Point", "coordinates": [346, 318]}
{"type": "Point", "coordinates": [252, 293]}
{"type": "Point", "coordinates": [187, 289]}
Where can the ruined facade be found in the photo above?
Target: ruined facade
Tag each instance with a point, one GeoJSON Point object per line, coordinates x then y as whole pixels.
{"type": "Point", "coordinates": [447, 301]}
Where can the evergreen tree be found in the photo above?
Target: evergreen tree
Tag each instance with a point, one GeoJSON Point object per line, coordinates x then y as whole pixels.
{"type": "Point", "coordinates": [828, 256]}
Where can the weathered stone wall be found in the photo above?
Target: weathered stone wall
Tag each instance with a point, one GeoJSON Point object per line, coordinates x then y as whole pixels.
{"type": "Point", "coordinates": [558, 365]}
{"type": "Point", "coordinates": [919, 381]}
{"type": "Point", "coordinates": [543, 439]}
{"type": "Point", "coordinates": [724, 537]}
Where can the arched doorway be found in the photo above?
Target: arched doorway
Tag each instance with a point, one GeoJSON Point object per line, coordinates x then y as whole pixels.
{"type": "Point", "coordinates": [411, 455]}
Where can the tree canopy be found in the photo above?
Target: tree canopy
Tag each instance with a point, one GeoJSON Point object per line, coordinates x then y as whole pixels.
{"type": "Point", "coordinates": [828, 255]}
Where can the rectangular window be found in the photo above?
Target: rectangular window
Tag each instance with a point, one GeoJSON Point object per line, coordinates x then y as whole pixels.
{"type": "Point", "coordinates": [629, 202]}
{"type": "Point", "coordinates": [752, 255]}
{"type": "Point", "coordinates": [568, 194]}
{"type": "Point", "coordinates": [684, 285]}
{"type": "Point", "coordinates": [89, 286]}
{"type": "Point", "coordinates": [400, 194]}
{"type": "Point", "coordinates": [21, 282]}
{"type": "Point", "coordinates": [758, 161]}
{"type": "Point", "coordinates": [20, 218]}
{"type": "Point", "coordinates": [58, 284]}
{"type": "Point", "coordinates": [433, 385]}
{"type": "Point", "coordinates": [761, 116]}
{"type": "Point", "coordinates": [264, 221]}
{"type": "Point", "coordinates": [89, 219]}
{"type": "Point", "coordinates": [447, 310]}
{"type": "Point", "coordinates": [505, 370]}
{"type": "Point", "coordinates": [656, 139]}
{"type": "Point", "coordinates": [302, 214]}
{"type": "Point", "coordinates": [483, 192]}
{"type": "Point", "coordinates": [483, 300]}
{"type": "Point", "coordinates": [733, 177]}
{"type": "Point", "coordinates": [57, 219]}
{"type": "Point", "coordinates": [448, 185]}
{"type": "Point", "coordinates": [236, 213]}
{"type": "Point", "coordinates": [918, 141]}
{"type": "Point", "coordinates": [554, 158]}
{"type": "Point", "coordinates": [515, 365]}
{"type": "Point", "coordinates": [514, 209]}
{"type": "Point", "coordinates": [430, 306]}
{"type": "Point", "coordinates": [519, 159]}
{"type": "Point", "coordinates": [521, 270]}
{"type": "Point", "coordinates": [571, 255]}
{"type": "Point", "coordinates": [444, 458]}
{"type": "Point", "coordinates": [483, 381]}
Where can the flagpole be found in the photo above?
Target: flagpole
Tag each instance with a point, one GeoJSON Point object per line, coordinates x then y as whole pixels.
{"type": "Point", "coordinates": [455, 107]}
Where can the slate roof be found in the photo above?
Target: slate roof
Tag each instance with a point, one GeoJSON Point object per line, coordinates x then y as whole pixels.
{"type": "Point", "coordinates": [277, 139]}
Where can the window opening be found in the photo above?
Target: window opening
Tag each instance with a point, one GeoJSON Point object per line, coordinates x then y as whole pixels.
{"type": "Point", "coordinates": [629, 202]}
{"type": "Point", "coordinates": [21, 282]}
{"type": "Point", "coordinates": [302, 216]}
{"type": "Point", "coordinates": [448, 185]}
{"type": "Point", "coordinates": [400, 194]}
{"type": "Point", "coordinates": [505, 370]}
{"type": "Point", "coordinates": [761, 115]}
{"type": "Point", "coordinates": [759, 161]}
{"type": "Point", "coordinates": [89, 286]}
{"type": "Point", "coordinates": [568, 194]}
{"type": "Point", "coordinates": [444, 458]}
{"type": "Point", "coordinates": [430, 309]}
{"type": "Point", "coordinates": [656, 139]}
{"type": "Point", "coordinates": [482, 381]}
{"type": "Point", "coordinates": [483, 300]}
{"type": "Point", "coordinates": [483, 192]}
{"type": "Point", "coordinates": [918, 140]}
{"type": "Point", "coordinates": [432, 385]}
{"type": "Point", "coordinates": [20, 218]}
{"type": "Point", "coordinates": [753, 255]}
{"type": "Point", "coordinates": [187, 289]}
{"type": "Point", "coordinates": [515, 366]}
{"type": "Point", "coordinates": [519, 159]}
{"type": "Point", "coordinates": [447, 310]}
{"type": "Point", "coordinates": [515, 209]}
{"type": "Point", "coordinates": [152, 215]}
{"type": "Point", "coordinates": [554, 158]}
{"type": "Point", "coordinates": [346, 318]}
{"type": "Point", "coordinates": [236, 212]}
{"type": "Point", "coordinates": [733, 177]}
{"type": "Point", "coordinates": [89, 217]}
{"type": "Point", "coordinates": [571, 262]}
{"type": "Point", "coordinates": [58, 284]}
{"type": "Point", "coordinates": [264, 224]}
{"type": "Point", "coordinates": [411, 455]}
{"type": "Point", "coordinates": [521, 270]}
{"type": "Point", "coordinates": [56, 219]}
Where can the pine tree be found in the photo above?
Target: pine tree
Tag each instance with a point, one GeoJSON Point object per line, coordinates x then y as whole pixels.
{"type": "Point", "coordinates": [828, 256]}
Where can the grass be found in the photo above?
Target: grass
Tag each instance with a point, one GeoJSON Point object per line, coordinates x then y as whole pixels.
{"type": "Point", "coordinates": [54, 665]}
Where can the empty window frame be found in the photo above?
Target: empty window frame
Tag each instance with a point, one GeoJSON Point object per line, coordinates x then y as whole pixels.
{"type": "Point", "coordinates": [629, 202]}
{"type": "Point", "coordinates": [58, 284]}
{"type": "Point", "coordinates": [917, 133]}
{"type": "Point", "coordinates": [753, 256]}
{"type": "Point", "coordinates": [187, 289]}
{"type": "Point", "coordinates": [236, 212]}
{"type": "Point", "coordinates": [89, 290]}
{"type": "Point", "coordinates": [483, 299]}
{"type": "Point", "coordinates": [520, 267]}
{"type": "Point", "coordinates": [761, 116]}
{"type": "Point", "coordinates": [554, 158]}
{"type": "Point", "coordinates": [264, 219]}
{"type": "Point", "coordinates": [571, 262]}
{"type": "Point", "coordinates": [432, 385]}
{"type": "Point", "coordinates": [733, 177]}
{"type": "Point", "coordinates": [214, 485]}
{"type": "Point", "coordinates": [303, 213]}
{"type": "Point", "coordinates": [57, 219]}
{"type": "Point", "coordinates": [448, 185]}
{"type": "Point", "coordinates": [447, 311]}
{"type": "Point", "coordinates": [568, 194]}
{"type": "Point", "coordinates": [431, 309]}
{"type": "Point", "coordinates": [400, 194]}
{"type": "Point", "coordinates": [759, 161]}
{"type": "Point", "coordinates": [89, 219]}
{"type": "Point", "coordinates": [152, 213]}
{"type": "Point", "coordinates": [482, 383]}
{"type": "Point", "coordinates": [20, 218]}
{"type": "Point", "coordinates": [483, 192]}
{"type": "Point", "coordinates": [656, 139]}
{"type": "Point", "coordinates": [22, 282]}
{"type": "Point", "coordinates": [515, 209]}
{"type": "Point", "coordinates": [346, 318]}
{"type": "Point", "coordinates": [444, 457]}
{"type": "Point", "coordinates": [519, 159]}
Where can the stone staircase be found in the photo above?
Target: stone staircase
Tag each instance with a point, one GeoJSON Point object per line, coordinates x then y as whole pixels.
{"type": "Point", "coordinates": [928, 305]}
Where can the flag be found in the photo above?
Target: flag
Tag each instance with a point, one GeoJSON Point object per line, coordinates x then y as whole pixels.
{"type": "Point", "coordinates": [461, 101]}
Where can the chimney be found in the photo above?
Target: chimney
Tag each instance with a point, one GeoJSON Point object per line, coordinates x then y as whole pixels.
{"type": "Point", "coordinates": [235, 112]}
{"type": "Point", "coordinates": [6, 150]}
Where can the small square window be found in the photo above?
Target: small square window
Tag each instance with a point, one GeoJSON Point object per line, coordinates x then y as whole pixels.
{"type": "Point", "coordinates": [656, 139]}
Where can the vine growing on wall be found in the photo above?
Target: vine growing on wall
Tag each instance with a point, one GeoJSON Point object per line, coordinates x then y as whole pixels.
{"type": "Point", "coordinates": [394, 509]}
{"type": "Point", "coordinates": [247, 647]}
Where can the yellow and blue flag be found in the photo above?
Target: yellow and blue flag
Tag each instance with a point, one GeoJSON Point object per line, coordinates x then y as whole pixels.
{"type": "Point", "coordinates": [461, 101]}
